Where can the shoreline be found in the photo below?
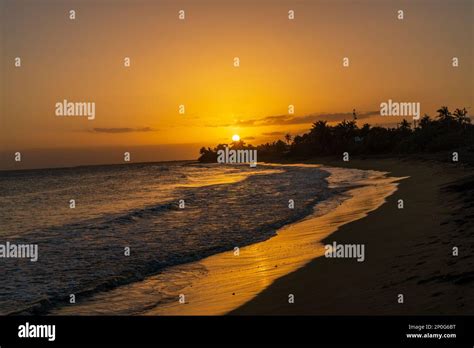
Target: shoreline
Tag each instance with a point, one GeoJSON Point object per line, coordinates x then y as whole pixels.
{"type": "Point", "coordinates": [222, 282]}
{"type": "Point", "coordinates": [408, 251]}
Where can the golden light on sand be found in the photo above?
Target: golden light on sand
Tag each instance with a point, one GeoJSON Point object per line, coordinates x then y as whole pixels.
{"type": "Point", "coordinates": [236, 137]}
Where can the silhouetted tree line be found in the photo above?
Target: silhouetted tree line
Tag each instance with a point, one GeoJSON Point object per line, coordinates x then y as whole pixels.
{"type": "Point", "coordinates": [447, 132]}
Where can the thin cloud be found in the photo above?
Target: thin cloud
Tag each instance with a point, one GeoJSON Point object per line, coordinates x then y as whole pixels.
{"type": "Point", "coordinates": [273, 133]}
{"type": "Point", "coordinates": [283, 120]}
{"type": "Point", "coordinates": [122, 130]}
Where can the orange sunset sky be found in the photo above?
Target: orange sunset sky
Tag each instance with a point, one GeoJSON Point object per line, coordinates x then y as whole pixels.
{"type": "Point", "coordinates": [190, 62]}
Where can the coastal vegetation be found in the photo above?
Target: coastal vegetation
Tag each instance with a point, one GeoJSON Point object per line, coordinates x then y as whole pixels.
{"type": "Point", "coordinates": [447, 131]}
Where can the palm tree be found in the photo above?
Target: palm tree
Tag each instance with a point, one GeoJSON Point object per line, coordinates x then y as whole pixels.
{"type": "Point", "coordinates": [347, 126]}
{"type": "Point", "coordinates": [319, 126]}
{"type": "Point", "coordinates": [461, 116]}
{"type": "Point", "coordinates": [425, 122]}
{"type": "Point", "coordinates": [444, 115]}
{"type": "Point", "coordinates": [404, 126]}
{"type": "Point", "coordinates": [288, 138]}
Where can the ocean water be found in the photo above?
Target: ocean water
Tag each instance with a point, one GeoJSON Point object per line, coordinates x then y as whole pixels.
{"type": "Point", "coordinates": [81, 250]}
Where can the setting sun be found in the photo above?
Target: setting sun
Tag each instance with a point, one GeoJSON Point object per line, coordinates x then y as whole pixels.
{"type": "Point", "coordinates": [235, 137]}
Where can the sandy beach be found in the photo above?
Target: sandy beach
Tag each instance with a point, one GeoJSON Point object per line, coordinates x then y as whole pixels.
{"type": "Point", "coordinates": [408, 251]}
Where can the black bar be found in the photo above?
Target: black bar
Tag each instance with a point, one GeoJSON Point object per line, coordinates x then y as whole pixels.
{"type": "Point", "coordinates": [240, 330]}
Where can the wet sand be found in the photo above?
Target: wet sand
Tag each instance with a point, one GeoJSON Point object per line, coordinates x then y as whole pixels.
{"type": "Point", "coordinates": [408, 251]}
